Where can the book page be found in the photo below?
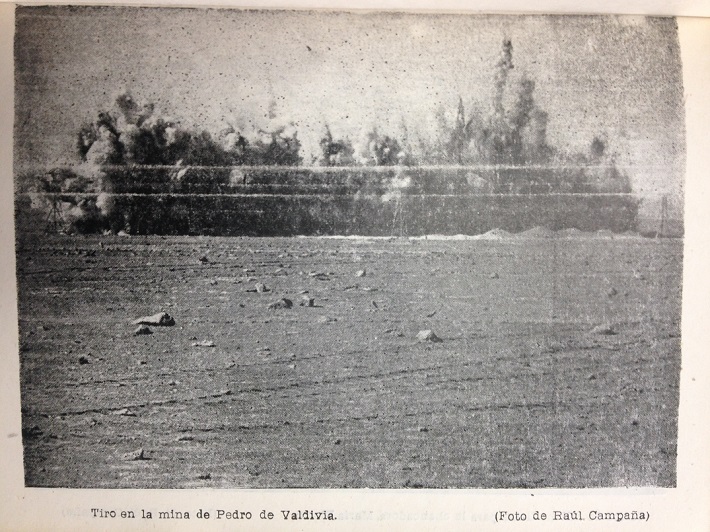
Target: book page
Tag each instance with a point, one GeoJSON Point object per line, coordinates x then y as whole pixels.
{"type": "Point", "coordinates": [499, 219]}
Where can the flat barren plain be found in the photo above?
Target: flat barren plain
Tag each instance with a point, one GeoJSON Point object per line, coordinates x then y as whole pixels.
{"type": "Point", "coordinates": [557, 366]}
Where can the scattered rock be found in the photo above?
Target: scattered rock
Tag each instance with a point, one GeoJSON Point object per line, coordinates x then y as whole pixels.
{"type": "Point", "coordinates": [326, 319]}
{"type": "Point", "coordinates": [280, 304]}
{"type": "Point", "coordinates": [125, 412]}
{"type": "Point", "coordinates": [83, 360]}
{"type": "Point", "coordinates": [142, 329]}
{"type": "Point", "coordinates": [611, 292]}
{"type": "Point", "coordinates": [604, 329]}
{"type": "Point", "coordinates": [423, 429]}
{"type": "Point", "coordinates": [374, 304]}
{"type": "Point", "coordinates": [122, 233]}
{"type": "Point", "coordinates": [361, 273]}
{"type": "Point", "coordinates": [138, 454]}
{"type": "Point", "coordinates": [203, 259]}
{"type": "Point", "coordinates": [337, 442]}
{"type": "Point", "coordinates": [213, 282]}
{"type": "Point", "coordinates": [185, 437]}
{"type": "Point", "coordinates": [203, 343]}
{"type": "Point", "coordinates": [162, 319]}
{"type": "Point", "coordinates": [261, 288]}
{"type": "Point", "coordinates": [431, 314]}
{"type": "Point", "coordinates": [307, 302]}
{"type": "Point", "coordinates": [427, 336]}
{"type": "Point", "coordinates": [206, 476]}
{"type": "Point", "coordinates": [494, 275]}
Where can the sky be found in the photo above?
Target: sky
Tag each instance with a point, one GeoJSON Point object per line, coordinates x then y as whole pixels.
{"type": "Point", "coordinates": [618, 77]}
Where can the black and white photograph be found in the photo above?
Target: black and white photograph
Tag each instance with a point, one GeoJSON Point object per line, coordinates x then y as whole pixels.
{"type": "Point", "coordinates": [338, 249]}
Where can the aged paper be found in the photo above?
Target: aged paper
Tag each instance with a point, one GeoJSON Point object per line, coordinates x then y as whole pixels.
{"type": "Point", "coordinates": [647, 490]}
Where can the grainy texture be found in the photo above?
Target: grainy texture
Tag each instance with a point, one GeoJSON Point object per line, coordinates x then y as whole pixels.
{"type": "Point", "coordinates": [520, 392]}
{"type": "Point", "coordinates": [548, 358]}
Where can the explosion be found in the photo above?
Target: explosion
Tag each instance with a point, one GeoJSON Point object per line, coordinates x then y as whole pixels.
{"type": "Point", "coordinates": [132, 149]}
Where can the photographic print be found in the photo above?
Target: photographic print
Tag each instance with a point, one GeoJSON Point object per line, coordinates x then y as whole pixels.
{"type": "Point", "coordinates": [331, 249]}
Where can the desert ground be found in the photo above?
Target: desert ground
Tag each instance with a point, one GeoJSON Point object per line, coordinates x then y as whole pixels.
{"type": "Point", "coordinates": [558, 364]}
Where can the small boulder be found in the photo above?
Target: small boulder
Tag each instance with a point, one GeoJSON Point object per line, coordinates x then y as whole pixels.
{"type": "Point", "coordinates": [281, 303]}
{"type": "Point", "coordinates": [494, 275]}
{"type": "Point", "coordinates": [203, 343]}
{"type": "Point", "coordinates": [142, 329]}
{"type": "Point", "coordinates": [161, 319]}
{"type": "Point", "coordinates": [307, 302]}
{"type": "Point", "coordinates": [605, 329]}
{"type": "Point", "coordinates": [428, 336]}
{"type": "Point", "coordinates": [138, 454]}
{"type": "Point", "coordinates": [261, 288]}
{"type": "Point", "coordinates": [361, 273]}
